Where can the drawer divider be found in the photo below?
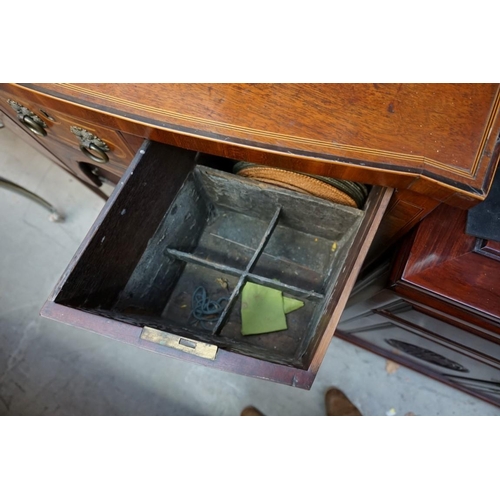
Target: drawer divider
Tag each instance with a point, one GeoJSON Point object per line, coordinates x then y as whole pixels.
{"type": "Point", "coordinates": [193, 259]}
{"type": "Point", "coordinates": [264, 240]}
{"type": "Point", "coordinates": [254, 278]}
{"type": "Point", "coordinates": [245, 275]}
{"type": "Point", "coordinates": [243, 278]}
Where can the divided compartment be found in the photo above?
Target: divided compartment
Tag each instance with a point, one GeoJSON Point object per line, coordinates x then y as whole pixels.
{"type": "Point", "coordinates": [198, 226]}
{"type": "Point", "coordinates": [283, 346]}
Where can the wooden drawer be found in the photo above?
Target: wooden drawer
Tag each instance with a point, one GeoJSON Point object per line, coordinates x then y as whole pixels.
{"type": "Point", "coordinates": [133, 277]}
{"type": "Point", "coordinates": [24, 135]}
{"type": "Point", "coordinates": [60, 136]}
{"type": "Point", "coordinates": [67, 157]}
{"type": "Point", "coordinates": [423, 340]}
{"type": "Point", "coordinates": [90, 172]}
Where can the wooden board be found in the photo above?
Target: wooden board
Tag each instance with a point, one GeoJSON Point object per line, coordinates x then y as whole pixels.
{"type": "Point", "coordinates": [446, 269]}
{"type": "Point", "coordinates": [434, 139]}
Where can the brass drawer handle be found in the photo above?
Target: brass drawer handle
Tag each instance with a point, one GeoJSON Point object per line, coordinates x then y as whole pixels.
{"type": "Point", "coordinates": [94, 153]}
{"type": "Point", "coordinates": [31, 121]}
{"type": "Point", "coordinates": [33, 126]}
{"type": "Point", "coordinates": [90, 145]}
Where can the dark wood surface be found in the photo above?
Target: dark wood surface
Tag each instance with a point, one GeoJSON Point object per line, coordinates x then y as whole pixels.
{"type": "Point", "coordinates": [443, 267]}
{"type": "Point", "coordinates": [378, 204]}
{"type": "Point", "coordinates": [59, 135]}
{"type": "Point", "coordinates": [67, 157]}
{"type": "Point", "coordinates": [12, 125]}
{"type": "Point", "coordinates": [489, 248]}
{"type": "Point", "coordinates": [50, 151]}
{"type": "Point", "coordinates": [439, 140]}
{"type": "Point", "coordinates": [406, 209]}
{"type": "Point", "coordinates": [226, 361]}
{"type": "Point", "coordinates": [103, 264]}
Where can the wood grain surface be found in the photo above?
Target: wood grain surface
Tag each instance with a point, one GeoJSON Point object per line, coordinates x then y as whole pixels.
{"type": "Point", "coordinates": [59, 129]}
{"type": "Point", "coordinates": [57, 154]}
{"type": "Point", "coordinates": [444, 268]}
{"type": "Point", "coordinates": [442, 137]}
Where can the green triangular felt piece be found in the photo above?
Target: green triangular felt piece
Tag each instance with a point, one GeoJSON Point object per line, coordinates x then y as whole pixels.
{"type": "Point", "coordinates": [261, 310]}
{"type": "Point", "coordinates": [290, 305]}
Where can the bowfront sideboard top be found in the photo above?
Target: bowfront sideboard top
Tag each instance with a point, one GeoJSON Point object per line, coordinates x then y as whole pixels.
{"type": "Point", "coordinates": [438, 140]}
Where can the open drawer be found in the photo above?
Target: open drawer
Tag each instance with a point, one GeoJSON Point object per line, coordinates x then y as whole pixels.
{"type": "Point", "coordinates": [172, 228]}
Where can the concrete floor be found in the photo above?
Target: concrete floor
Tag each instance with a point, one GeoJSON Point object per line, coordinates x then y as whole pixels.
{"type": "Point", "coordinates": [47, 368]}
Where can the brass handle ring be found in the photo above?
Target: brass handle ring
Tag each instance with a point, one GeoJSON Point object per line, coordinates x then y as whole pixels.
{"type": "Point", "coordinates": [94, 153]}
{"type": "Point", "coordinates": [32, 125]}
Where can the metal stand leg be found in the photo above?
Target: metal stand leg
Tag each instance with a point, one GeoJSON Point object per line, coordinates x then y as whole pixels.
{"type": "Point", "coordinates": [55, 216]}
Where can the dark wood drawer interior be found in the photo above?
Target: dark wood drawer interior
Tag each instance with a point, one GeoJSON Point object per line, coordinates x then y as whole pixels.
{"type": "Point", "coordinates": [174, 225]}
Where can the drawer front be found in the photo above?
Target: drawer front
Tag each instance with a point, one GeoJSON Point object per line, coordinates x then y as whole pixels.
{"type": "Point", "coordinates": [15, 127]}
{"type": "Point", "coordinates": [91, 142]}
{"type": "Point", "coordinates": [133, 276]}
{"type": "Point", "coordinates": [399, 330]}
{"type": "Point", "coordinates": [93, 175]}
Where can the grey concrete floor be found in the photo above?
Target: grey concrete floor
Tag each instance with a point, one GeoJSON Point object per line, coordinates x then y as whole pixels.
{"type": "Point", "coordinates": [47, 368]}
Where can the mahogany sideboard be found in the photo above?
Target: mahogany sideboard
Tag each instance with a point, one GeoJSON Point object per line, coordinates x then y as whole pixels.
{"type": "Point", "coordinates": [433, 144]}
